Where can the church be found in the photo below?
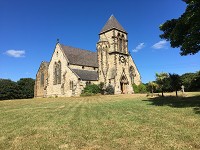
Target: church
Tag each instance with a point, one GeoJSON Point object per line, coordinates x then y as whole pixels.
{"type": "Point", "coordinates": [71, 69]}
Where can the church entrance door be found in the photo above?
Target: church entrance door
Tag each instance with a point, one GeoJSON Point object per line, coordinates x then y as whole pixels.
{"type": "Point", "coordinates": [123, 87]}
{"type": "Point", "coordinates": [123, 84]}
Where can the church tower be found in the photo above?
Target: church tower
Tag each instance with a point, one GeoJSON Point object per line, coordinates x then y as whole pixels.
{"type": "Point", "coordinates": [116, 66]}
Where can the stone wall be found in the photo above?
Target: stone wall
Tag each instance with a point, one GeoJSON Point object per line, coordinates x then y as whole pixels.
{"type": "Point", "coordinates": [111, 68]}
{"type": "Point", "coordinates": [63, 89]}
{"type": "Point", "coordinates": [40, 86]}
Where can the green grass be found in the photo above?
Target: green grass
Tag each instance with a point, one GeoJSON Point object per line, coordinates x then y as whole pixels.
{"type": "Point", "coordinates": [101, 122]}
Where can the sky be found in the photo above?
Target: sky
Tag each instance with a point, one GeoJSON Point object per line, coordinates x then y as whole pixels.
{"type": "Point", "coordinates": [29, 30]}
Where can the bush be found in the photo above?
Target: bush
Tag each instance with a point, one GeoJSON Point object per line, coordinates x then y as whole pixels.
{"type": "Point", "coordinates": [141, 88]}
{"type": "Point", "coordinates": [110, 90]}
{"type": "Point", "coordinates": [92, 88]}
{"type": "Point", "coordinates": [101, 87]}
{"type": "Point", "coordinates": [135, 88]}
{"type": "Point", "coordinates": [87, 94]}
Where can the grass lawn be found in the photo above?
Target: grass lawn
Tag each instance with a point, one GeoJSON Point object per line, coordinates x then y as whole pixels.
{"type": "Point", "coordinates": [101, 122]}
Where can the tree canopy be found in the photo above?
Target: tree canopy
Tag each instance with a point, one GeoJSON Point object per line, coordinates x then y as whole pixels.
{"type": "Point", "coordinates": [175, 82]}
{"type": "Point", "coordinates": [24, 88]}
{"type": "Point", "coordinates": [8, 89]}
{"type": "Point", "coordinates": [162, 81]}
{"type": "Point", "coordinates": [184, 32]}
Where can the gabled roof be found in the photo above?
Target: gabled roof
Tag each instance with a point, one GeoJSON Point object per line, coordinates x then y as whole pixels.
{"type": "Point", "coordinates": [86, 75]}
{"type": "Point", "coordinates": [112, 23]}
{"type": "Point", "coordinates": [80, 57]}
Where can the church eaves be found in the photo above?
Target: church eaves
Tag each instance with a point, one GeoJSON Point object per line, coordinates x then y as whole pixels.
{"type": "Point", "coordinates": [86, 75]}
{"type": "Point", "coordinates": [112, 23]}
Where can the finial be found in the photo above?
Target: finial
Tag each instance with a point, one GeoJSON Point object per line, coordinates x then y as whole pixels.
{"type": "Point", "coordinates": [57, 40]}
{"type": "Point", "coordinates": [111, 16]}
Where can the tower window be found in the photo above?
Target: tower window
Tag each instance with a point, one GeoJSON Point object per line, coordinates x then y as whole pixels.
{"type": "Point", "coordinates": [120, 45]}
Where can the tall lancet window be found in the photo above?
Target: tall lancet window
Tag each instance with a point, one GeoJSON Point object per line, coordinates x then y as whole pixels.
{"type": "Point", "coordinates": [55, 73]}
{"type": "Point", "coordinates": [132, 74]}
{"type": "Point", "coordinates": [59, 72]}
{"type": "Point", "coordinates": [121, 43]}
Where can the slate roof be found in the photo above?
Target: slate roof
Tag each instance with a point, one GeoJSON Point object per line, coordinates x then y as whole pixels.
{"type": "Point", "coordinates": [112, 23]}
{"type": "Point", "coordinates": [86, 75]}
{"type": "Point", "coordinates": [81, 57]}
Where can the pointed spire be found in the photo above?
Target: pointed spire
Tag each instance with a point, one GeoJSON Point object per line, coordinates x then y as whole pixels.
{"type": "Point", "coordinates": [112, 23]}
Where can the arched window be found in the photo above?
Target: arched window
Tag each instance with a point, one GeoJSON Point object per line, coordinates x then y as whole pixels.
{"type": "Point", "coordinates": [42, 79]}
{"type": "Point", "coordinates": [132, 74]}
{"type": "Point", "coordinates": [123, 44]}
{"type": "Point", "coordinates": [71, 85]}
{"type": "Point", "coordinates": [59, 72]}
{"type": "Point", "coordinates": [55, 73]}
{"type": "Point", "coordinates": [120, 45]}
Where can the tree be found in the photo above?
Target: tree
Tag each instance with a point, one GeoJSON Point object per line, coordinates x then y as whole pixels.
{"type": "Point", "coordinates": [26, 87]}
{"type": "Point", "coordinates": [195, 84]}
{"type": "Point", "coordinates": [142, 88]}
{"type": "Point", "coordinates": [8, 90]}
{"type": "Point", "coordinates": [191, 81]}
{"type": "Point", "coordinates": [175, 82]}
{"type": "Point", "coordinates": [162, 81]}
{"type": "Point", "coordinates": [152, 86]}
{"type": "Point", "coordinates": [184, 31]}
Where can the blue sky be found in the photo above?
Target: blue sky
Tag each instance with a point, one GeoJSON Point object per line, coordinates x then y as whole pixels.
{"type": "Point", "coordinates": [29, 29]}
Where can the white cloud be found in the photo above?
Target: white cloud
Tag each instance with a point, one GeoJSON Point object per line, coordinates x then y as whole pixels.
{"type": "Point", "coordinates": [160, 44]}
{"type": "Point", "coordinates": [15, 53]}
{"type": "Point", "coordinates": [139, 47]}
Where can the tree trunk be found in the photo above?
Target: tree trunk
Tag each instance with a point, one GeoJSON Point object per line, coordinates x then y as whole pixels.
{"type": "Point", "coordinates": [176, 93]}
{"type": "Point", "coordinates": [162, 94]}
{"type": "Point", "coordinates": [152, 92]}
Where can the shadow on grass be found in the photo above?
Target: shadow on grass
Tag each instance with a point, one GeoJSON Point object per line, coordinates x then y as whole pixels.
{"type": "Point", "coordinates": [178, 102]}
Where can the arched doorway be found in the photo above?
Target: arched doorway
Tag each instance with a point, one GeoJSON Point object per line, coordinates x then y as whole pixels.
{"type": "Point", "coordinates": [123, 84]}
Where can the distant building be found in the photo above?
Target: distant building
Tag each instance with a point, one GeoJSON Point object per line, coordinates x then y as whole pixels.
{"type": "Point", "coordinates": [71, 69]}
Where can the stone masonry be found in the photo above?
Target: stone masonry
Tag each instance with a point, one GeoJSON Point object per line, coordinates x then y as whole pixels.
{"type": "Point", "coordinates": [70, 69]}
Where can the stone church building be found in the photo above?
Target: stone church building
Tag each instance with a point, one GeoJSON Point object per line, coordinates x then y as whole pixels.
{"type": "Point", "coordinates": [71, 69]}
